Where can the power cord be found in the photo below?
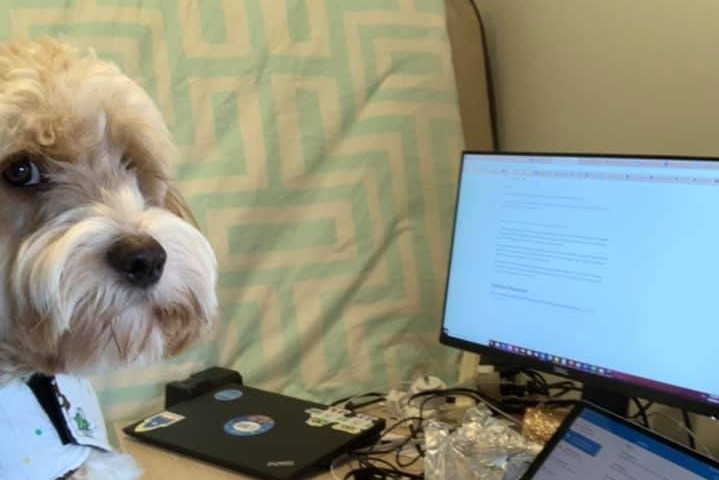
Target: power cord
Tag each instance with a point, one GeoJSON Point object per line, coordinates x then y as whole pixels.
{"type": "Point", "coordinates": [351, 402]}
{"type": "Point", "coordinates": [366, 459]}
{"type": "Point", "coordinates": [533, 390]}
{"type": "Point", "coordinates": [689, 428]}
{"type": "Point", "coordinates": [642, 409]}
{"type": "Point", "coordinates": [370, 467]}
{"type": "Point", "coordinates": [490, 78]}
{"type": "Point", "coordinates": [690, 433]}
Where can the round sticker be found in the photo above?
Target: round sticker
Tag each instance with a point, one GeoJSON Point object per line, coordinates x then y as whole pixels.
{"type": "Point", "coordinates": [249, 425]}
{"type": "Point", "coordinates": [227, 395]}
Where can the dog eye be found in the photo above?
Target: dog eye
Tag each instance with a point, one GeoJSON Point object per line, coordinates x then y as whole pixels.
{"type": "Point", "coordinates": [22, 170]}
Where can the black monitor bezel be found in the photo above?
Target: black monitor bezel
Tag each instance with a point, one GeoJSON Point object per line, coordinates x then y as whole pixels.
{"type": "Point", "coordinates": [492, 355]}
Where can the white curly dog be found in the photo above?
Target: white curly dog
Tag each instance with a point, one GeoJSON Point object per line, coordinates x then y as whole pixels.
{"type": "Point", "coordinates": [100, 262]}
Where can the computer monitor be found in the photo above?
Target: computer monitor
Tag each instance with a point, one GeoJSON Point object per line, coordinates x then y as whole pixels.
{"type": "Point", "coordinates": [600, 268]}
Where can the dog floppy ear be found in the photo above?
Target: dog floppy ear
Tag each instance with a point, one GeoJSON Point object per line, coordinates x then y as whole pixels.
{"type": "Point", "coordinates": [177, 205]}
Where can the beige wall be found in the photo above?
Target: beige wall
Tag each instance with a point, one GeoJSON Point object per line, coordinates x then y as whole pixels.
{"type": "Point", "coordinates": [620, 76]}
{"type": "Point", "coordinates": [613, 76]}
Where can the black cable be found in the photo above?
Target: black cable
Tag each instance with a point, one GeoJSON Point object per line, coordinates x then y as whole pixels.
{"type": "Point", "coordinates": [447, 392]}
{"type": "Point", "coordinates": [415, 459]}
{"type": "Point", "coordinates": [364, 458]}
{"type": "Point", "coordinates": [376, 447]}
{"type": "Point", "coordinates": [490, 81]}
{"type": "Point", "coordinates": [414, 434]}
{"type": "Point", "coordinates": [564, 388]}
{"type": "Point", "coordinates": [688, 424]}
{"type": "Point", "coordinates": [395, 425]}
{"type": "Point", "coordinates": [365, 461]}
{"type": "Point", "coordinates": [538, 383]}
{"type": "Point", "coordinates": [642, 410]}
{"type": "Point", "coordinates": [351, 405]}
{"type": "Point", "coordinates": [416, 431]}
{"type": "Point", "coordinates": [373, 472]}
{"type": "Point", "coordinates": [380, 396]}
{"type": "Point", "coordinates": [544, 388]}
{"type": "Point", "coordinates": [368, 467]}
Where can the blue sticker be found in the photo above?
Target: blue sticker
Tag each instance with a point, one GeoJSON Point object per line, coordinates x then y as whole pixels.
{"type": "Point", "coordinates": [228, 395]}
{"type": "Point", "coordinates": [249, 425]}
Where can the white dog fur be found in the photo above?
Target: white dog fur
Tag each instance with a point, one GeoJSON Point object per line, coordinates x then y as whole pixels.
{"type": "Point", "coordinates": [85, 165]}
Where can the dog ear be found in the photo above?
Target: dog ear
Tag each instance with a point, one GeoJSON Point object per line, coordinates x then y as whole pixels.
{"type": "Point", "coordinates": [177, 205]}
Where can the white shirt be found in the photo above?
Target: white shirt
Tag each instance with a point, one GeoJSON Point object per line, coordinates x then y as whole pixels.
{"type": "Point", "coordinates": [32, 447]}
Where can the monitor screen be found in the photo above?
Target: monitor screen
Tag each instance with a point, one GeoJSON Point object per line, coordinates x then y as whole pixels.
{"type": "Point", "coordinates": [602, 268]}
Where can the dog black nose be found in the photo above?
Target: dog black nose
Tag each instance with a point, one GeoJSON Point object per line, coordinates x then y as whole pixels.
{"type": "Point", "coordinates": [139, 258]}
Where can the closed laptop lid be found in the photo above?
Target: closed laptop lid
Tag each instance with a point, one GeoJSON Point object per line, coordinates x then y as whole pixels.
{"type": "Point", "coordinates": [253, 431]}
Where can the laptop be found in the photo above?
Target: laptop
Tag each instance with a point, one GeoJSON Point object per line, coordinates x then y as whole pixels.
{"type": "Point", "coordinates": [593, 444]}
{"type": "Point", "coordinates": [256, 432]}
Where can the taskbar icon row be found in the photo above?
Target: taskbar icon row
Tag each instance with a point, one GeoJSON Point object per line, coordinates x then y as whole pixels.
{"type": "Point", "coordinates": [548, 357]}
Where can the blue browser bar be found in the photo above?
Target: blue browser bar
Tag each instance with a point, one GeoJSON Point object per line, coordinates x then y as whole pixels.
{"type": "Point", "coordinates": [586, 445]}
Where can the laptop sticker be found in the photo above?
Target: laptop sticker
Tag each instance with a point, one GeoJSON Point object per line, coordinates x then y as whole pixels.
{"type": "Point", "coordinates": [249, 425]}
{"type": "Point", "coordinates": [228, 395]}
{"type": "Point", "coordinates": [161, 420]}
{"type": "Point", "coordinates": [340, 419]}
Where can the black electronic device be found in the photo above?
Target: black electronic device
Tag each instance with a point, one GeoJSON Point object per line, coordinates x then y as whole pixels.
{"type": "Point", "coordinates": [261, 433]}
{"type": "Point", "coordinates": [198, 383]}
{"type": "Point", "coordinates": [600, 268]}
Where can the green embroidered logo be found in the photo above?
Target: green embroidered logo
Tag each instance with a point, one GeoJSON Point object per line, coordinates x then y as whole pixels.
{"type": "Point", "coordinates": [81, 421]}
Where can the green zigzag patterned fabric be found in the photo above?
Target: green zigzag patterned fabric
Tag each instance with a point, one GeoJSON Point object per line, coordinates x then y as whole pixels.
{"type": "Point", "coordinates": [320, 143]}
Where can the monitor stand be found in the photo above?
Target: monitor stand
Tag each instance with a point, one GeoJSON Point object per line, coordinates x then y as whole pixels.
{"type": "Point", "coordinates": [614, 402]}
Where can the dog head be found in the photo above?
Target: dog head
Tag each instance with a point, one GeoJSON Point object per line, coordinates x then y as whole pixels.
{"type": "Point", "coordinates": [100, 261]}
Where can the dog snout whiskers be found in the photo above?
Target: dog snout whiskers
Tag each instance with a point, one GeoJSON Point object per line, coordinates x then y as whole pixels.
{"type": "Point", "coordinates": [139, 259]}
